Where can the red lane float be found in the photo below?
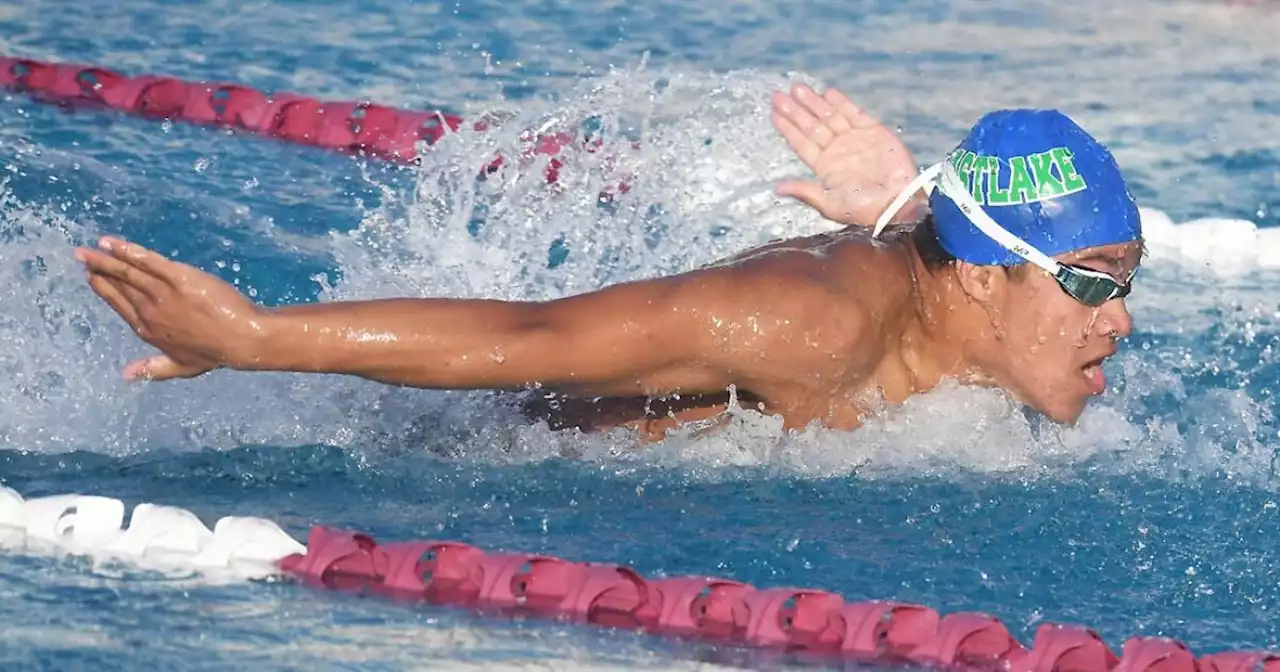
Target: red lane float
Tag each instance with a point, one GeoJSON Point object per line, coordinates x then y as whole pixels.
{"type": "Point", "coordinates": [357, 128]}
{"type": "Point", "coordinates": [354, 127]}
{"type": "Point", "coordinates": [726, 611]}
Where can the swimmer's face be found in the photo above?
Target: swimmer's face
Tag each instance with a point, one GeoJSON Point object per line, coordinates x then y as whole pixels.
{"type": "Point", "coordinates": [1053, 345]}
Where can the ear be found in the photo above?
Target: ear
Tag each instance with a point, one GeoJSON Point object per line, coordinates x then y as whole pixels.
{"type": "Point", "coordinates": [986, 285]}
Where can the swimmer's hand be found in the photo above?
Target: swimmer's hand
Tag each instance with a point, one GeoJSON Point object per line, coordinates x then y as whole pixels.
{"type": "Point", "coordinates": [860, 164]}
{"type": "Point", "coordinates": [197, 321]}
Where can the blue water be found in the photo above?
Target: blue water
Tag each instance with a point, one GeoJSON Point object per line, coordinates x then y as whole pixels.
{"type": "Point", "coordinates": [1157, 514]}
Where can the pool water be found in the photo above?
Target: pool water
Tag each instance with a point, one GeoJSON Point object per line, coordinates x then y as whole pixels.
{"type": "Point", "coordinates": [1154, 515]}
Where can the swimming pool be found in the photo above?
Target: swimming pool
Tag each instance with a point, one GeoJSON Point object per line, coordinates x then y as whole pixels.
{"type": "Point", "coordinates": [1154, 516]}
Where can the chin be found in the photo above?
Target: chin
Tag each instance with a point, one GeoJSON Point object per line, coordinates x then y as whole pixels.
{"type": "Point", "coordinates": [1065, 412]}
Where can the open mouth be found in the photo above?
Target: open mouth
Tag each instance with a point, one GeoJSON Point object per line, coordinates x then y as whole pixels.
{"type": "Point", "coordinates": [1093, 375]}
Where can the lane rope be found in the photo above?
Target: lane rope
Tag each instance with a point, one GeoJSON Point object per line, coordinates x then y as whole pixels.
{"type": "Point", "coordinates": [823, 625]}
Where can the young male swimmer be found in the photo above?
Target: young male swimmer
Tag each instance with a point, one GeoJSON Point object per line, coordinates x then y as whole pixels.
{"type": "Point", "coordinates": [1015, 277]}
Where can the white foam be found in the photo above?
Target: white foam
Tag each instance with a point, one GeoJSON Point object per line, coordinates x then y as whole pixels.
{"type": "Point", "coordinates": [1224, 246]}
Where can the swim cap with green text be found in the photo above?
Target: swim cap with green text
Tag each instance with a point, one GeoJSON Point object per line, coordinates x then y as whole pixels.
{"type": "Point", "coordinates": [1042, 177]}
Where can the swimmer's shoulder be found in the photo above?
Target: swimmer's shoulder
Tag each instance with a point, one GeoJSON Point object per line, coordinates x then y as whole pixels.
{"type": "Point", "coordinates": [873, 273]}
{"type": "Point", "coordinates": [839, 277]}
{"type": "Point", "coordinates": [845, 266]}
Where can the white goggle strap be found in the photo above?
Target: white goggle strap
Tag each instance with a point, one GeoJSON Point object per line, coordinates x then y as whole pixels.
{"type": "Point", "coordinates": [951, 186]}
{"type": "Point", "coordinates": [943, 177]}
{"type": "Point", "coordinates": [924, 180]}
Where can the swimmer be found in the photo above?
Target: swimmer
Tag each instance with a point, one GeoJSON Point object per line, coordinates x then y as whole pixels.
{"type": "Point", "coordinates": [1004, 265]}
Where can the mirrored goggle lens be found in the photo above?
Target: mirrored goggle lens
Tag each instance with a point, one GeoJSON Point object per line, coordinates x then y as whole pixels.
{"type": "Point", "coordinates": [1090, 287]}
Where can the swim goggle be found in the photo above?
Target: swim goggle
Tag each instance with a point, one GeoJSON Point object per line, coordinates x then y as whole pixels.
{"type": "Point", "coordinates": [1086, 285]}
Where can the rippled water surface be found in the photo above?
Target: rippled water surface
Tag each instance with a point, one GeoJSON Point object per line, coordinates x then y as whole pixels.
{"type": "Point", "coordinates": [1154, 515]}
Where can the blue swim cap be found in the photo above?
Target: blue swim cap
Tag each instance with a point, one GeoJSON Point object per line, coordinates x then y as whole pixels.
{"type": "Point", "coordinates": [1042, 177]}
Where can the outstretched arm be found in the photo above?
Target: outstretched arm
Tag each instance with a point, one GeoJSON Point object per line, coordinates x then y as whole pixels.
{"type": "Point", "coordinates": [637, 338]}
{"type": "Point", "coordinates": [679, 334]}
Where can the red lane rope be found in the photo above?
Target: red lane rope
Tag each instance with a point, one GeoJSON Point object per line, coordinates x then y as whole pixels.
{"type": "Point", "coordinates": [725, 611]}
{"type": "Point", "coordinates": [358, 128]}
{"type": "Point", "coordinates": [353, 127]}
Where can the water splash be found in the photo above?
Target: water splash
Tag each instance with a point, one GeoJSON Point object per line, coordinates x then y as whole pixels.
{"type": "Point", "coordinates": [707, 161]}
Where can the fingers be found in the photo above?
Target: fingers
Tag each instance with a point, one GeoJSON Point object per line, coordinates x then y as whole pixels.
{"type": "Point", "coordinates": [822, 117]}
{"type": "Point", "coordinates": [160, 367]}
{"type": "Point", "coordinates": [146, 368]}
{"type": "Point", "coordinates": [110, 292]}
{"type": "Point", "coordinates": [806, 149]}
{"type": "Point", "coordinates": [795, 110]}
{"type": "Point", "coordinates": [129, 276]}
{"type": "Point", "coordinates": [822, 110]}
{"type": "Point", "coordinates": [848, 111]}
{"type": "Point", "coordinates": [812, 194]}
{"type": "Point", "coordinates": [140, 257]}
{"type": "Point", "coordinates": [126, 277]}
{"type": "Point", "coordinates": [136, 370]}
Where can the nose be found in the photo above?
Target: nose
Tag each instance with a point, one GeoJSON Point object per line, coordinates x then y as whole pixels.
{"type": "Point", "coordinates": [1113, 318]}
